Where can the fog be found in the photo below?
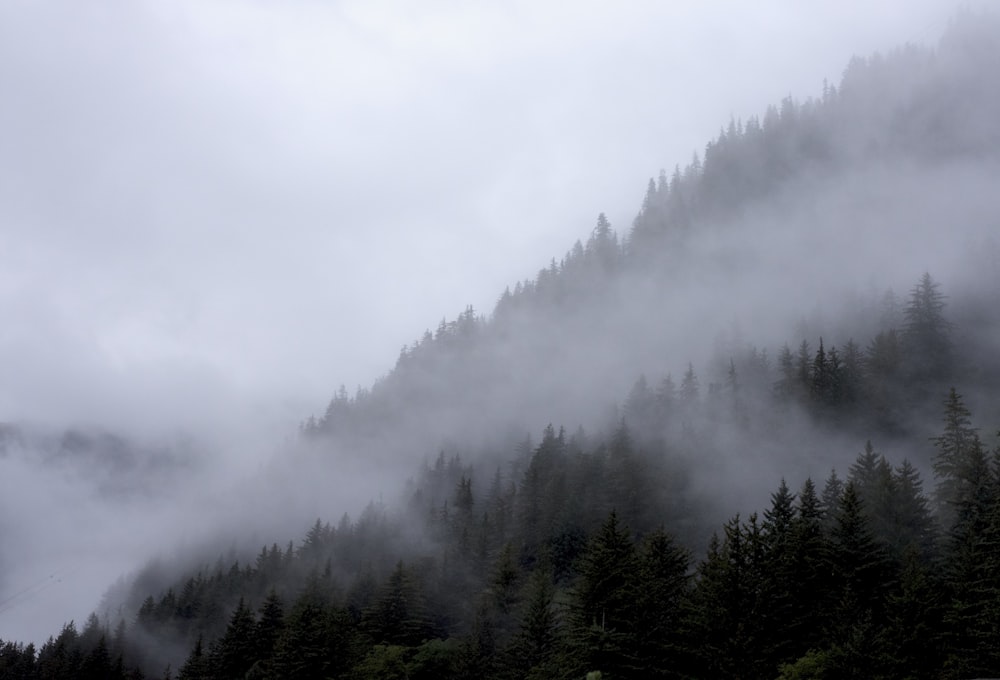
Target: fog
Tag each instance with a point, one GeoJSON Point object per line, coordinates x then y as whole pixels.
{"type": "Point", "coordinates": [214, 214]}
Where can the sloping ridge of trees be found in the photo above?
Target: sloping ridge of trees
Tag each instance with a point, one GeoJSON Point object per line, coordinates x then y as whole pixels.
{"type": "Point", "coordinates": [565, 330]}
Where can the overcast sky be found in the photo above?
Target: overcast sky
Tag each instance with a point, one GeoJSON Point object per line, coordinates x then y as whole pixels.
{"type": "Point", "coordinates": [207, 206]}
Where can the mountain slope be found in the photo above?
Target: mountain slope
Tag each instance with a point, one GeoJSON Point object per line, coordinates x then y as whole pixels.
{"type": "Point", "coordinates": [743, 330]}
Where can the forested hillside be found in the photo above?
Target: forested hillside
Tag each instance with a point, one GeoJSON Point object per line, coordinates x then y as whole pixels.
{"type": "Point", "coordinates": [752, 435]}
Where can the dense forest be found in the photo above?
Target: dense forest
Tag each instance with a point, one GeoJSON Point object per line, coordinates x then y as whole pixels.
{"type": "Point", "coordinates": [770, 471]}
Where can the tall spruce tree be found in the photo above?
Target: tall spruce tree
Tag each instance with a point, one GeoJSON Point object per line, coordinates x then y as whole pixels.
{"type": "Point", "coordinates": [926, 333]}
{"type": "Point", "coordinates": [603, 608]}
{"type": "Point", "coordinates": [959, 458]}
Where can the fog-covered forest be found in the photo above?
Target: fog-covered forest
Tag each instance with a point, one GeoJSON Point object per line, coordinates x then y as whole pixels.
{"type": "Point", "coordinates": [751, 434]}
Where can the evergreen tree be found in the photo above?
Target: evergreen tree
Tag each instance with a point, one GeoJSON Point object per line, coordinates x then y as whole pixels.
{"type": "Point", "coordinates": [883, 368]}
{"type": "Point", "coordinates": [603, 611]}
{"type": "Point", "coordinates": [661, 584]}
{"type": "Point", "coordinates": [197, 666]}
{"type": "Point", "coordinates": [972, 616]}
{"type": "Point", "coordinates": [812, 575]}
{"type": "Point", "coordinates": [534, 651]}
{"type": "Point", "coordinates": [821, 379]}
{"type": "Point", "coordinates": [787, 385]}
{"type": "Point", "coordinates": [926, 333]}
{"type": "Point", "coordinates": [803, 367]}
{"type": "Point", "coordinates": [958, 460]}
{"type": "Point", "coordinates": [267, 630]}
{"type": "Point", "coordinates": [689, 387]}
{"type": "Point", "coordinates": [725, 610]}
{"type": "Point", "coordinates": [97, 663]}
{"type": "Point", "coordinates": [830, 501]}
{"type": "Point", "coordinates": [504, 585]}
{"type": "Point", "coordinates": [781, 616]}
{"type": "Point", "coordinates": [862, 587]}
{"type": "Point", "coordinates": [914, 525]}
{"type": "Point", "coordinates": [912, 634]}
{"type": "Point", "coordinates": [237, 650]}
{"type": "Point", "coordinates": [399, 615]}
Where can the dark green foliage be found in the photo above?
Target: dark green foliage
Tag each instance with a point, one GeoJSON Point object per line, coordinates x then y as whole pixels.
{"type": "Point", "coordinates": [829, 501]}
{"type": "Point", "coordinates": [197, 666]}
{"type": "Point", "coordinates": [727, 607]}
{"type": "Point", "coordinates": [17, 661]}
{"type": "Point", "coordinates": [237, 650]}
{"type": "Point", "coordinates": [603, 613]}
{"type": "Point", "coordinates": [661, 585]}
{"type": "Point", "coordinates": [533, 651]}
{"type": "Point", "coordinates": [399, 615]}
{"type": "Point", "coordinates": [270, 622]}
{"type": "Point", "coordinates": [912, 634]}
{"type": "Point", "coordinates": [861, 574]}
{"type": "Point", "coordinates": [972, 615]}
{"type": "Point", "coordinates": [317, 638]}
{"type": "Point", "coordinates": [811, 583]}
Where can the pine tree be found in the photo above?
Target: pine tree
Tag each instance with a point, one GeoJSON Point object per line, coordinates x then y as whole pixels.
{"type": "Point", "coordinates": [237, 649]}
{"type": "Point", "coordinates": [926, 333]}
{"type": "Point", "coordinates": [603, 610]}
{"type": "Point", "coordinates": [534, 650]}
{"type": "Point", "coordinates": [97, 663]}
{"type": "Point", "coordinates": [811, 566]}
{"type": "Point", "coordinates": [504, 586]}
{"type": "Point", "coordinates": [267, 630]}
{"type": "Point", "coordinates": [912, 633]}
{"type": "Point", "coordinates": [820, 378]}
{"type": "Point", "coordinates": [788, 384]}
{"type": "Point", "coordinates": [661, 584]}
{"type": "Point", "coordinates": [781, 616]}
{"type": "Point", "coordinates": [830, 501]}
{"type": "Point", "coordinates": [803, 367]}
{"type": "Point", "coordinates": [725, 611]}
{"type": "Point", "coordinates": [862, 587]}
{"type": "Point", "coordinates": [197, 665]}
{"type": "Point", "coordinates": [914, 525]}
{"type": "Point", "coordinates": [958, 460]}
{"type": "Point", "coordinates": [972, 617]}
{"type": "Point", "coordinates": [399, 615]}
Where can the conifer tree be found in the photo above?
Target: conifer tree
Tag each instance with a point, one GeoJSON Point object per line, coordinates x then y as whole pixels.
{"type": "Point", "coordinates": [399, 614]}
{"type": "Point", "coordinates": [662, 582]}
{"type": "Point", "coordinates": [914, 525]}
{"type": "Point", "coordinates": [267, 630]}
{"type": "Point", "coordinates": [603, 611]}
{"type": "Point", "coordinates": [926, 333]}
{"type": "Point", "coordinates": [534, 650]}
{"type": "Point", "coordinates": [787, 385]}
{"type": "Point", "coordinates": [810, 555]}
{"type": "Point", "coordinates": [861, 587]}
{"type": "Point", "coordinates": [781, 617]}
{"type": "Point", "coordinates": [197, 665]}
{"type": "Point", "coordinates": [911, 637]}
{"type": "Point", "coordinates": [958, 460]}
{"type": "Point", "coordinates": [972, 616]}
{"type": "Point", "coordinates": [237, 650]}
{"type": "Point", "coordinates": [689, 387]}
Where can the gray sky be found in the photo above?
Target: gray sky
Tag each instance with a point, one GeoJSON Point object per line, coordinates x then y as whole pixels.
{"type": "Point", "coordinates": [207, 206]}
